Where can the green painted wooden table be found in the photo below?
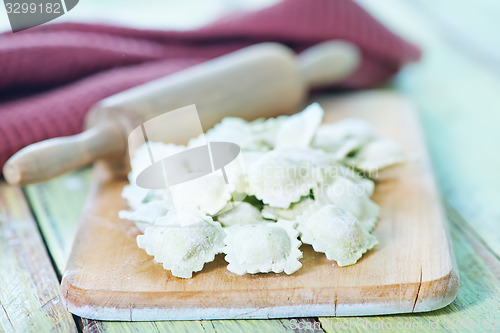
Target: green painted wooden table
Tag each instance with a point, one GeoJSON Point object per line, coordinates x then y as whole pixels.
{"type": "Point", "coordinates": [456, 88]}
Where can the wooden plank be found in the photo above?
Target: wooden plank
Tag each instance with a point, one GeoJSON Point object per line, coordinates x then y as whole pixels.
{"type": "Point", "coordinates": [206, 326]}
{"type": "Point", "coordinates": [109, 277]}
{"type": "Point", "coordinates": [95, 326]}
{"type": "Point", "coordinates": [458, 99]}
{"type": "Point", "coordinates": [58, 223]}
{"type": "Point", "coordinates": [58, 205]}
{"type": "Point", "coordinates": [30, 296]}
{"type": "Point", "coordinates": [265, 325]}
{"type": "Point", "coordinates": [476, 308]}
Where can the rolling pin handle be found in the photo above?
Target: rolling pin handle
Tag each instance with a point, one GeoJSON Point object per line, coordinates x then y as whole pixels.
{"type": "Point", "coordinates": [46, 159]}
{"type": "Point", "coordinates": [328, 63]}
{"type": "Point", "coordinates": [321, 65]}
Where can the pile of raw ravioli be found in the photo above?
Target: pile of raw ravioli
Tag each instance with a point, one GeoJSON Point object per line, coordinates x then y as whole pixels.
{"type": "Point", "coordinates": [296, 181]}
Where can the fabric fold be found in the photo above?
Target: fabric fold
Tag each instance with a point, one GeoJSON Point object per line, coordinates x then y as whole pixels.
{"type": "Point", "coordinates": [80, 64]}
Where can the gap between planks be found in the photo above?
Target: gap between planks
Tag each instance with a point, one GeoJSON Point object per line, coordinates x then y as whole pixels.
{"type": "Point", "coordinates": [30, 297]}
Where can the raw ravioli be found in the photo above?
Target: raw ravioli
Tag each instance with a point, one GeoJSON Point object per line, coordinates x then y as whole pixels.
{"type": "Point", "coordinates": [242, 213]}
{"type": "Point", "coordinates": [378, 155]}
{"type": "Point", "coordinates": [265, 130]}
{"type": "Point", "coordinates": [207, 194]}
{"type": "Point", "coordinates": [282, 176]}
{"type": "Point", "coordinates": [296, 209]}
{"type": "Point", "coordinates": [337, 233]}
{"type": "Point", "coordinates": [340, 170]}
{"type": "Point", "coordinates": [344, 136]}
{"type": "Point", "coordinates": [262, 248]}
{"type": "Point", "coordinates": [137, 196]}
{"type": "Point", "coordinates": [230, 129]}
{"type": "Point", "coordinates": [237, 176]}
{"type": "Point", "coordinates": [183, 249]}
{"type": "Point", "coordinates": [346, 194]}
{"type": "Point", "coordinates": [310, 178]}
{"type": "Point", "coordinates": [258, 135]}
{"type": "Point", "coordinates": [181, 218]}
{"type": "Point", "coordinates": [299, 129]}
{"type": "Point", "coordinates": [145, 214]}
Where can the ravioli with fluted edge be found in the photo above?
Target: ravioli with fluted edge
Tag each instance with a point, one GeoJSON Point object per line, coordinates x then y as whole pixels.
{"type": "Point", "coordinates": [183, 249]}
{"type": "Point", "coordinates": [241, 214]}
{"type": "Point", "coordinates": [262, 248]}
{"type": "Point", "coordinates": [296, 182]}
{"type": "Point", "coordinates": [337, 233]}
{"type": "Point", "coordinates": [346, 194]}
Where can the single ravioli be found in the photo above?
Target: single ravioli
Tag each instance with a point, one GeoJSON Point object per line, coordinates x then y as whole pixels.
{"type": "Point", "coordinates": [146, 214]}
{"type": "Point", "coordinates": [344, 136]}
{"type": "Point", "coordinates": [136, 196]}
{"type": "Point", "coordinates": [299, 129]}
{"type": "Point", "coordinates": [181, 218]}
{"type": "Point", "coordinates": [258, 135]}
{"type": "Point", "coordinates": [262, 248]}
{"type": "Point", "coordinates": [291, 213]}
{"type": "Point", "coordinates": [282, 176]}
{"type": "Point", "coordinates": [207, 194]}
{"type": "Point", "coordinates": [183, 249]}
{"type": "Point", "coordinates": [335, 170]}
{"type": "Point", "coordinates": [236, 175]}
{"type": "Point", "coordinates": [230, 129]}
{"type": "Point", "coordinates": [344, 193]}
{"type": "Point", "coordinates": [242, 213]}
{"type": "Point", "coordinates": [365, 183]}
{"type": "Point", "coordinates": [337, 233]}
{"type": "Point", "coordinates": [265, 130]}
{"type": "Point", "coordinates": [378, 155]}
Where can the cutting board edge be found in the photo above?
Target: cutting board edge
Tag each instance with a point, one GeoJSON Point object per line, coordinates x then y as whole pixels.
{"type": "Point", "coordinates": [295, 311]}
{"type": "Point", "coordinates": [426, 299]}
{"type": "Point", "coordinates": [438, 293]}
{"type": "Point", "coordinates": [432, 294]}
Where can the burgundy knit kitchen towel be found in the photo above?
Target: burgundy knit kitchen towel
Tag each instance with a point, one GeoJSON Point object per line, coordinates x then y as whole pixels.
{"type": "Point", "coordinates": [80, 64]}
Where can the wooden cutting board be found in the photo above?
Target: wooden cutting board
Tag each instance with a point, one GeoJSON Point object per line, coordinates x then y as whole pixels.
{"type": "Point", "coordinates": [412, 269]}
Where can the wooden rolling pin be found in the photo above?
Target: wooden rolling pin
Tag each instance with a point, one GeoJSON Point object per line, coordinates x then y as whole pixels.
{"type": "Point", "coordinates": [262, 80]}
